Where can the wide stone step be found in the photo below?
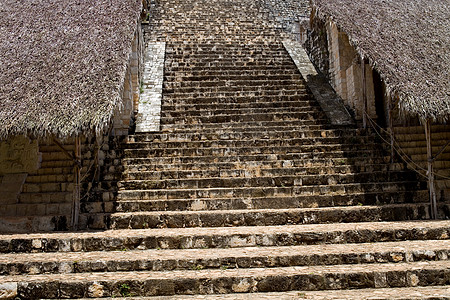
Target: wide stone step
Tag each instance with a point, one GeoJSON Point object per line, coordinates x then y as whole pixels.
{"type": "Point", "coordinates": [284, 70]}
{"type": "Point", "coordinates": [272, 217]}
{"type": "Point", "coordinates": [170, 168]}
{"type": "Point", "coordinates": [231, 258]}
{"type": "Point", "coordinates": [248, 62]}
{"type": "Point", "coordinates": [149, 283]}
{"type": "Point", "coordinates": [322, 165]}
{"type": "Point", "coordinates": [150, 172]}
{"type": "Point", "coordinates": [305, 201]}
{"type": "Point", "coordinates": [244, 101]}
{"type": "Point", "coordinates": [249, 133]}
{"type": "Point", "coordinates": [219, 105]}
{"type": "Point", "coordinates": [269, 126]}
{"type": "Point", "coordinates": [233, 68]}
{"type": "Point", "coordinates": [259, 140]}
{"type": "Point", "coordinates": [235, 89]}
{"type": "Point", "coordinates": [232, 78]}
{"type": "Point", "coordinates": [232, 84]}
{"type": "Point", "coordinates": [324, 150]}
{"type": "Point", "coordinates": [143, 181]}
{"type": "Point", "coordinates": [417, 293]}
{"type": "Point", "coordinates": [250, 94]}
{"type": "Point", "coordinates": [250, 192]}
{"type": "Point", "coordinates": [234, 113]}
{"type": "Point", "coordinates": [230, 237]}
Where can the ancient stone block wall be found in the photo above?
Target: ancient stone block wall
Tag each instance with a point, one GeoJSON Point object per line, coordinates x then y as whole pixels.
{"type": "Point", "coordinates": [342, 67]}
{"type": "Point", "coordinates": [124, 116]}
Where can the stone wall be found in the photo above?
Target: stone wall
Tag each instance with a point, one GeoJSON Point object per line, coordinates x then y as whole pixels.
{"type": "Point", "coordinates": [333, 55]}
{"type": "Point", "coordinates": [125, 115]}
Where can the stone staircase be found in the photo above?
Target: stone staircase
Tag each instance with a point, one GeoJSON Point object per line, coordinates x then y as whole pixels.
{"type": "Point", "coordinates": [246, 192]}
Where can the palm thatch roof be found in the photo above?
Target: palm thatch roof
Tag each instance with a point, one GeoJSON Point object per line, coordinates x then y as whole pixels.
{"type": "Point", "coordinates": [62, 64]}
{"type": "Point", "coordinates": [407, 42]}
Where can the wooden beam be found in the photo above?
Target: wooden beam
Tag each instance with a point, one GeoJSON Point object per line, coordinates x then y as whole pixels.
{"type": "Point", "coordinates": [430, 173]}
{"type": "Point", "coordinates": [76, 190]}
{"type": "Point", "coordinates": [391, 127]}
{"type": "Point", "coordinates": [364, 91]}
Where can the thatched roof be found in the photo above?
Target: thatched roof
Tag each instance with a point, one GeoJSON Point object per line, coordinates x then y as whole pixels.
{"type": "Point", "coordinates": [62, 64]}
{"type": "Point", "coordinates": [407, 42]}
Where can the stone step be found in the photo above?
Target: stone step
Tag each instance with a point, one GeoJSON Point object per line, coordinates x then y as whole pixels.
{"type": "Point", "coordinates": [232, 68]}
{"type": "Point", "coordinates": [231, 258]}
{"type": "Point", "coordinates": [324, 150]}
{"type": "Point", "coordinates": [249, 62]}
{"type": "Point", "coordinates": [230, 237]}
{"type": "Point", "coordinates": [305, 201]}
{"type": "Point", "coordinates": [232, 78]}
{"type": "Point", "coordinates": [242, 101]}
{"type": "Point", "coordinates": [64, 176]}
{"type": "Point", "coordinates": [273, 217]}
{"type": "Point", "coordinates": [212, 106]}
{"type": "Point", "coordinates": [180, 282]}
{"type": "Point", "coordinates": [249, 133]}
{"type": "Point", "coordinates": [257, 141]}
{"type": "Point", "coordinates": [143, 182]}
{"type": "Point", "coordinates": [234, 114]}
{"type": "Point", "coordinates": [250, 94]}
{"type": "Point", "coordinates": [270, 71]}
{"type": "Point", "coordinates": [56, 218]}
{"type": "Point", "coordinates": [148, 172]}
{"type": "Point", "coordinates": [364, 162]}
{"type": "Point", "coordinates": [232, 89]}
{"type": "Point", "coordinates": [250, 192]}
{"type": "Point", "coordinates": [269, 126]}
{"type": "Point", "coordinates": [416, 293]}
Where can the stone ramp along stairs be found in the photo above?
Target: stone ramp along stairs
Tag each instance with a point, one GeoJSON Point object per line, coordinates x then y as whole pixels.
{"type": "Point", "coordinates": [246, 188]}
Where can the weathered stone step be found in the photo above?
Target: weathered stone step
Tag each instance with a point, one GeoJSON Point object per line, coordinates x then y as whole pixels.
{"type": "Point", "coordinates": [239, 102]}
{"type": "Point", "coordinates": [248, 257]}
{"type": "Point", "coordinates": [167, 167]}
{"type": "Point", "coordinates": [232, 78]}
{"type": "Point", "coordinates": [249, 133]}
{"type": "Point", "coordinates": [154, 172]}
{"type": "Point", "coordinates": [230, 237]}
{"type": "Point", "coordinates": [305, 201]}
{"type": "Point", "coordinates": [322, 165]}
{"type": "Point", "coordinates": [249, 192]}
{"type": "Point", "coordinates": [415, 293]}
{"type": "Point", "coordinates": [149, 283]}
{"type": "Point", "coordinates": [237, 114]}
{"type": "Point", "coordinates": [420, 129]}
{"type": "Point", "coordinates": [218, 61]}
{"type": "Point", "coordinates": [280, 160]}
{"type": "Point", "coordinates": [250, 94]}
{"type": "Point", "coordinates": [234, 89]}
{"type": "Point", "coordinates": [323, 150]}
{"type": "Point", "coordinates": [269, 126]}
{"type": "Point", "coordinates": [276, 179]}
{"type": "Point", "coordinates": [272, 217]}
{"type": "Point", "coordinates": [179, 105]}
{"type": "Point", "coordinates": [260, 140]}
{"type": "Point", "coordinates": [285, 70]}
{"type": "Point", "coordinates": [233, 68]}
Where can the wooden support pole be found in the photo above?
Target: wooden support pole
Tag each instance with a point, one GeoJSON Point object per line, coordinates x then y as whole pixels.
{"type": "Point", "coordinates": [431, 186]}
{"type": "Point", "coordinates": [76, 190]}
{"type": "Point", "coordinates": [391, 127]}
{"type": "Point", "coordinates": [364, 91]}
